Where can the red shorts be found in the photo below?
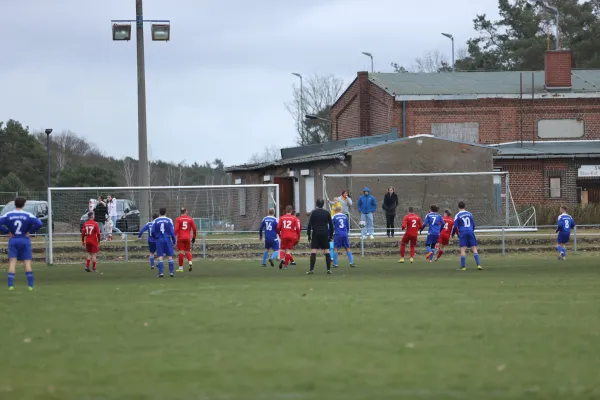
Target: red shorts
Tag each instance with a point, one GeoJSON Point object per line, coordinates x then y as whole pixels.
{"type": "Point", "coordinates": [444, 240]}
{"type": "Point", "coordinates": [91, 248]}
{"type": "Point", "coordinates": [183, 244]}
{"type": "Point", "coordinates": [409, 238]}
{"type": "Point", "coordinates": [288, 243]}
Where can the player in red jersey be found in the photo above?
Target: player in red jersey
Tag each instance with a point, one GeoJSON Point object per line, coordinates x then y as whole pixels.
{"type": "Point", "coordinates": [299, 224]}
{"type": "Point", "coordinates": [289, 234]}
{"type": "Point", "coordinates": [90, 239]}
{"type": "Point", "coordinates": [412, 224]}
{"type": "Point", "coordinates": [185, 231]}
{"type": "Point", "coordinates": [445, 234]}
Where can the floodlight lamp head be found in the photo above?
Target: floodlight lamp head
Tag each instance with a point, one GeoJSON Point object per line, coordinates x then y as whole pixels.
{"type": "Point", "coordinates": [367, 54]}
{"type": "Point", "coordinates": [161, 32]}
{"type": "Point", "coordinates": [48, 131]}
{"type": "Point", "coordinates": [449, 36]}
{"type": "Point", "coordinates": [121, 32]}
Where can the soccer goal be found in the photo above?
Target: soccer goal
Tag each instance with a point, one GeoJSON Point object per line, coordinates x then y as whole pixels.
{"type": "Point", "coordinates": [216, 209]}
{"type": "Point", "coordinates": [486, 194]}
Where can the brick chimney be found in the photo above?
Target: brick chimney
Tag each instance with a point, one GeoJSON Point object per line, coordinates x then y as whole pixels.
{"type": "Point", "coordinates": [364, 104]}
{"type": "Point", "coordinates": [557, 69]}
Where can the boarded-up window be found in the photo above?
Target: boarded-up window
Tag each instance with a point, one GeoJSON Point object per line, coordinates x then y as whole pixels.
{"type": "Point", "coordinates": [463, 132]}
{"type": "Point", "coordinates": [554, 187]}
{"type": "Point", "coordinates": [309, 193]}
{"type": "Point", "coordinates": [560, 128]}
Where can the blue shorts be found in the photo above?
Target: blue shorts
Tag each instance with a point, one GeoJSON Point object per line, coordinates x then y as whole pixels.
{"type": "Point", "coordinates": [272, 244]}
{"type": "Point", "coordinates": [341, 242]}
{"type": "Point", "coordinates": [20, 248]}
{"type": "Point", "coordinates": [152, 247]}
{"type": "Point", "coordinates": [563, 237]}
{"type": "Point", "coordinates": [467, 239]}
{"type": "Point", "coordinates": [432, 239]}
{"type": "Point", "coordinates": [164, 247]}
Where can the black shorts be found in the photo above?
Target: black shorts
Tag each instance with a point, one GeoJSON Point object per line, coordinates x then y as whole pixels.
{"type": "Point", "coordinates": [319, 241]}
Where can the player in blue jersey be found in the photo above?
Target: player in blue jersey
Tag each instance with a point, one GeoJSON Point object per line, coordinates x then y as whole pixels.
{"type": "Point", "coordinates": [20, 224]}
{"type": "Point", "coordinates": [464, 225]}
{"type": "Point", "coordinates": [151, 240]}
{"type": "Point", "coordinates": [163, 233]}
{"type": "Point", "coordinates": [434, 223]}
{"type": "Point", "coordinates": [269, 227]}
{"type": "Point", "coordinates": [565, 224]}
{"type": "Point", "coordinates": [341, 228]}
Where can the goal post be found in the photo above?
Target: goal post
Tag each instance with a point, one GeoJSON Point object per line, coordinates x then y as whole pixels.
{"type": "Point", "coordinates": [215, 208]}
{"type": "Point", "coordinates": [486, 194]}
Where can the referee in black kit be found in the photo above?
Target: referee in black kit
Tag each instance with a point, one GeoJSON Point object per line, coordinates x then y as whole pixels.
{"type": "Point", "coordinates": [320, 232]}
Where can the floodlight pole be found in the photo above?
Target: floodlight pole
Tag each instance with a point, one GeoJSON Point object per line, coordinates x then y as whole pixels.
{"type": "Point", "coordinates": [143, 171]}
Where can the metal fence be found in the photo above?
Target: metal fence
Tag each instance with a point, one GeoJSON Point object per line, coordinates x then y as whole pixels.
{"type": "Point", "coordinates": [220, 245]}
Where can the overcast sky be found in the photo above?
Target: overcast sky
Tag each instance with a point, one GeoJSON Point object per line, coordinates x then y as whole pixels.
{"type": "Point", "coordinates": [217, 89]}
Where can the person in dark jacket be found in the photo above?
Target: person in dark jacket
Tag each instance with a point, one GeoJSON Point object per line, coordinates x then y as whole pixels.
{"type": "Point", "coordinates": [100, 214]}
{"type": "Point", "coordinates": [390, 203]}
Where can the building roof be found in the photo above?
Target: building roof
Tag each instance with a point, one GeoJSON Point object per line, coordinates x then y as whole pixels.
{"type": "Point", "coordinates": [473, 85]}
{"type": "Point", "coordinates": [548, 149]}
{"type": "Point", "coordinates": [340, 149]}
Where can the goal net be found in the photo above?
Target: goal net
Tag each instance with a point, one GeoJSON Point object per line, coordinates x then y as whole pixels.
{"type": "Point", "coordinates": [486, 194]}
{"type": "Point", "coordinates": [215, 209]}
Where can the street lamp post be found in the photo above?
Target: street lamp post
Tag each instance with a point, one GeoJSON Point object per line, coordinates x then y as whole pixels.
{"type": "Point", "coordinates": [161, 31]}
{"type": "Point", "coordinates": [449, 36]}
{"type": "Point", "coordinates": [301, 111]}
{"type": "Point", "coordinates": [48, 132]}
{"type": "Point", "coordinates": [370, 55]}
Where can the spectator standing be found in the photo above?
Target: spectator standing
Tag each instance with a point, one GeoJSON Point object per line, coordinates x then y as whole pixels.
{"type": "Point", "coordinates": [367, 205]}
{"type": "Point", "coordinates": [390, 203]}
{"type": "Point", "coordinates": [100, 214]}
{"type": "Point", "coordinates": [111, 203]}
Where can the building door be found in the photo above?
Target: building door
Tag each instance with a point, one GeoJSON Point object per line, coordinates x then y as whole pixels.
{"type": "Point", "coordinates": [286, 193]}
{"type": "Point", "coordinates": [593, 195]}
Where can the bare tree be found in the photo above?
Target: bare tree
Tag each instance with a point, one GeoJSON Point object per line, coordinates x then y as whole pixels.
{"type": "Point", "coordinates": [432, 61]}
{"type": "Point", "coordinates": [269, 154]}
{"type": "Point", "coordinates": [128, 173]}
{"type": "Point", "coordinates": [318, 93]}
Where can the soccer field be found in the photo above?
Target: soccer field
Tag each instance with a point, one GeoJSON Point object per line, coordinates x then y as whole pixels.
{"type": "Point", "coordinates": [525, 328]}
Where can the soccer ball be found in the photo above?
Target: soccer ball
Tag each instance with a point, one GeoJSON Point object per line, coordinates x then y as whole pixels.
{"type": "Point", "coordinates": [362, 224]}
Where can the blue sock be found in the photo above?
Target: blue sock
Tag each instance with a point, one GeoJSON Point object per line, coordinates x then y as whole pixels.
{"type": "Point", "coordinates": [171, 267]}
{"type": "Point", "coordinates": [151, 261]}
{"type": "Point", "coordinates": [29, 276]}
{"type": "Point", "coordinates": [335, 258]}
{"type": "Point", "coordinates": [476, 256]}
{"type": "Point", "coordinates": [350, 257]}
{"type": "Point", "coordinates": [564, 249]}
{"type": "Point", "coordinates": [463, 261]}
{"type": "Point", "coordinates": [428, 248]}
{"type": "Point", "coordinates": [161, 267]}
{"type": "Point", "coordinates": [11, 279]}
{"type": "Point", "coordinates": [265, 255]}
{"type": "Point", "coordinates": [274, 255]}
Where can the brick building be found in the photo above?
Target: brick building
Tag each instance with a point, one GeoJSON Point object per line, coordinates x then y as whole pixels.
{"type": "Point", "coordinates": [544, 126]}
{"type": "Point", "coordinates": [300, 175]}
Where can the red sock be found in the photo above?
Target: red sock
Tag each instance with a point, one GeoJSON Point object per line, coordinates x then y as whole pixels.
{"type": "Point", "coordinates": [94, 265]}
{"type": "Point", "coordinates": [440, 252]}
{"type": "Point", "coordinates": [180, 260]}
{"type": "Point", "coordinates": [87, 263]}
{"type": "Point", "coordinates": [281, 254]}
{"type": "Point", "coordinates": [412, 250]}
{"type": "Point", "coordinates": [287, 259]}
{"type": "Point", "coordinates": [291, 258]}
{"type": "Point", "coordinates": [188, 255]}
{"type": "Point", "coordinates": [402, 250]}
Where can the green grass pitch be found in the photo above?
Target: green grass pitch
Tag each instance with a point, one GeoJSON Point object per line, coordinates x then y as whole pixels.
{"type": "Point", "coordinates": [527, 327]}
